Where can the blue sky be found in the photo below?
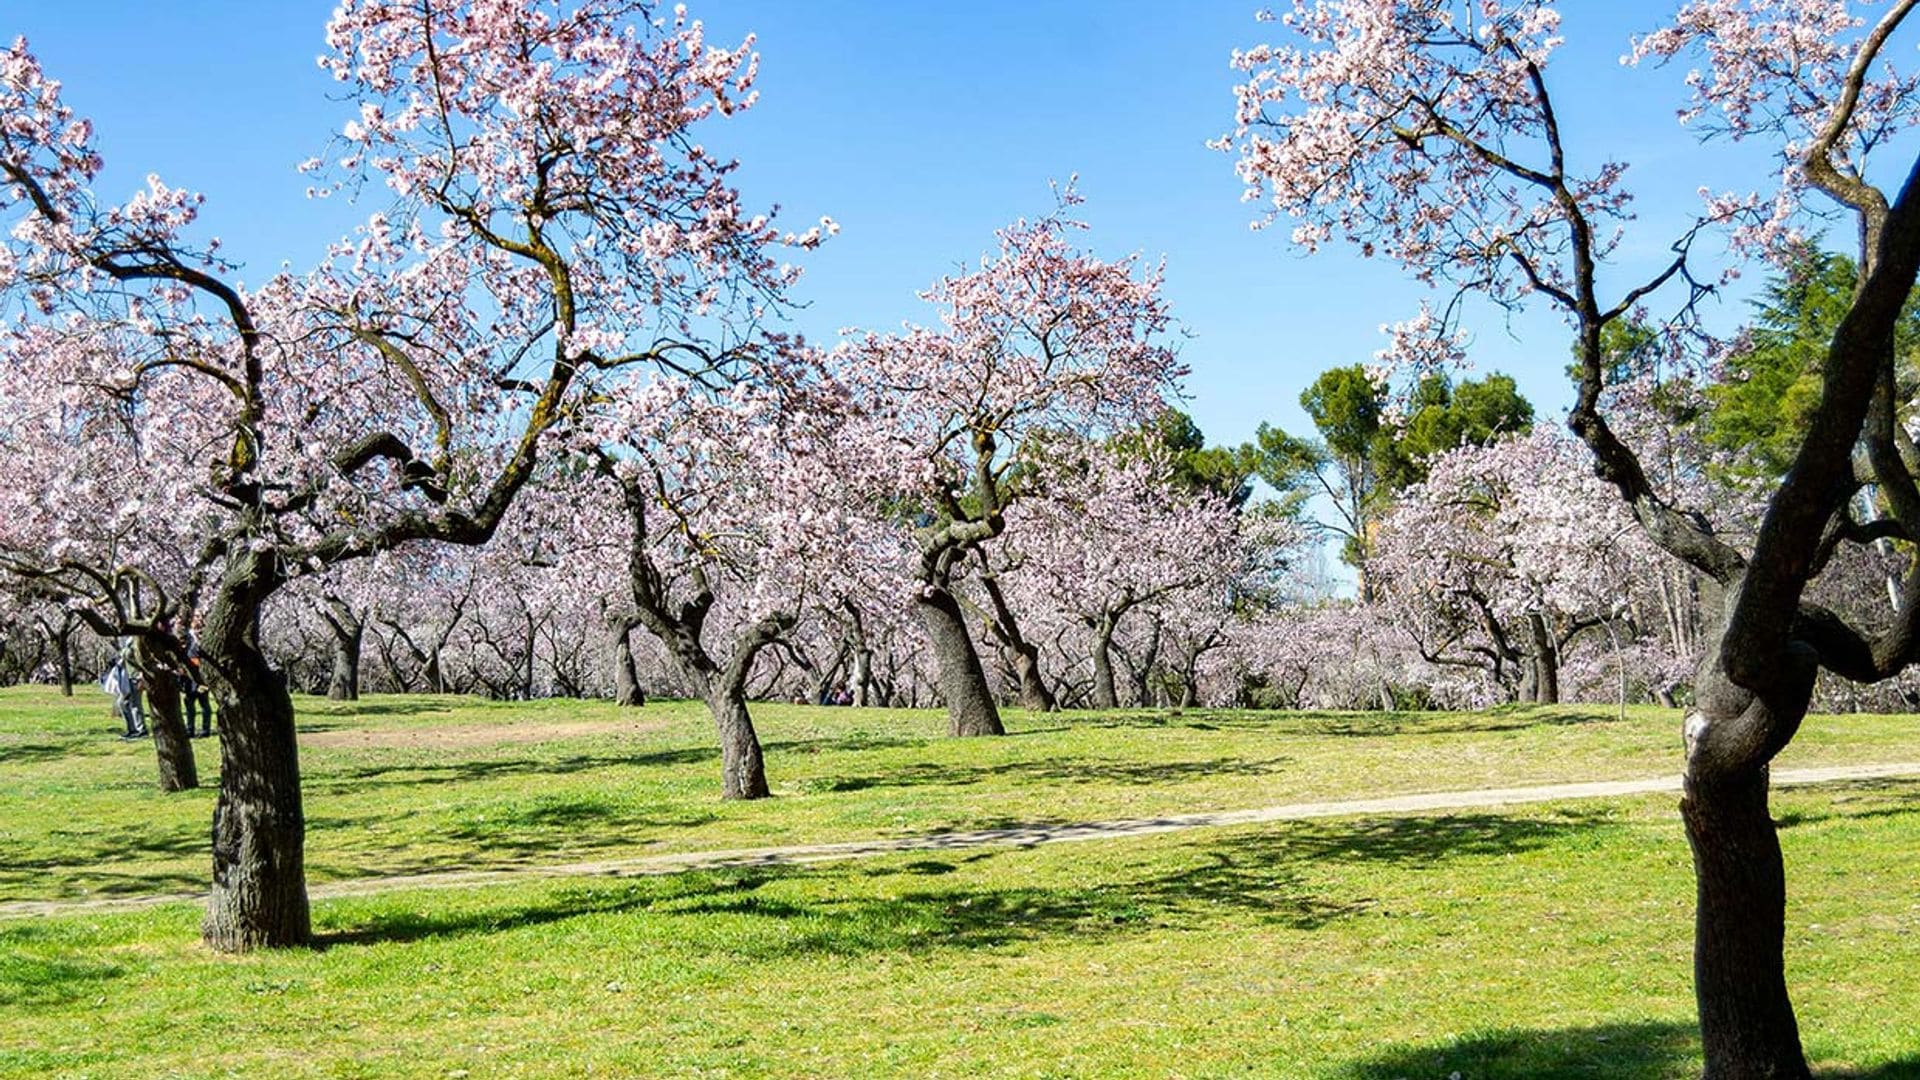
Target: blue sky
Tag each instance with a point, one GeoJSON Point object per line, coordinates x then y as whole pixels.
{"type": "Point", "coordinates": [920, 127]}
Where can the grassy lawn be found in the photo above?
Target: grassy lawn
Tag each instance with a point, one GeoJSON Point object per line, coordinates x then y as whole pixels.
{"type": "Point", "coordinates": [1550, 942]}
{"type": "Point", "coordinates": [1547, 941]}
{"type": "Point", "coordinates": [406, 784]}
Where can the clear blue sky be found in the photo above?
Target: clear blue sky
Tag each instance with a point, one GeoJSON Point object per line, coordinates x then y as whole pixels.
{"type": "Point", "coordinates": [920, 127]}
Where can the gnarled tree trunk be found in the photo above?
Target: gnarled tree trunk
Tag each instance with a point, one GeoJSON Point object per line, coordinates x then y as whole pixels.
{"type": "Point", "coordinates": [626, 674]}
{"type": "Point", "coordinates": [743, 770]}
{"type": "Point", "coordinates": [344, 683]}
{"type": "Point", "coordinates": [172, 743]}
{"type": "Point", "coordinates": [963, 682]}
{"type": "Point", "coordinates": [1747, 1024]}
{"type": "Point", "coordinates": [863, 691]}
{"type": "Point", "coordinates": [348, 632]}
{"type": "Point", "coordinates": [1035, 694]}
{"type": "Point", "coordinates": [1546, 662]}
{"type": "Point", "coordinates": [1104, 696]}
{"type": "Point", "coordinates": [1022, 655]}
{"type": "Point", "coordinates": [259, 897]}
{"type": "Point", "coordinates": [63, 650]}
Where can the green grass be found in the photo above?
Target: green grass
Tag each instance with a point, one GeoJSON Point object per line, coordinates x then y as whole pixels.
{"type": "Point", "coordinates": [1550, 941]}
{"type": "Point", "coordinates": [79, 816]}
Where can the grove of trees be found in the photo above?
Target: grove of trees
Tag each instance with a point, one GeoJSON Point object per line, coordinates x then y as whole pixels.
{"type": "Point", "coordinates": [540, 425]}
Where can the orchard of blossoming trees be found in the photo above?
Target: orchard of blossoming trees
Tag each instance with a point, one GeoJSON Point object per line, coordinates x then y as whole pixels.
{"type": "Point", "coordinates": [540, 425]}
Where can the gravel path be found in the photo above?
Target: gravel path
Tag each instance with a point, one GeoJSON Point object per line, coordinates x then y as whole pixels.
{"type": "Point", "coordinates": [1020, 836]}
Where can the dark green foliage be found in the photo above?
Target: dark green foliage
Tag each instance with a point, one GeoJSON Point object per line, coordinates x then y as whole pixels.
{"type": "Point", "coordinates": [1225, 471]}
{"type": "Point", "coordinates": [1361, 459]}
{"type": "Point", "coordinates": [1760, 410]}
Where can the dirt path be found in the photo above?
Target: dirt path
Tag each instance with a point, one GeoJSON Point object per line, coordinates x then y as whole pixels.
{"type": "Point", "coordinates": [1022, 836]}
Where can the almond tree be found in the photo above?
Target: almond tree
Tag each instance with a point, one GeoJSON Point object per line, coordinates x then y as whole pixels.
{"type": "Point", "coordinates": [739, 517]}
{"type": "Point", "coordinates": [1505, 556]}
{"type": "Point", "coordinates": [550, 217]}
{"type": "Point", "coordinates": [1427, 131]}
{"type": "Point", "coordinates": [1114, 535]}
{"type": "Point", "coordinates": [1042, 339]}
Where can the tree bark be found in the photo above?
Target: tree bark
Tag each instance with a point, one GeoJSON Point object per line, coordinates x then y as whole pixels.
{"type": "Point", "coordinates": [63, 651]}
{"type": "Point", "coordinates": [349, 633]}
{"type": "Point", "coordinates": [743, 768]}
{"type": "Point", "coordinates": [259, 895]}
{"type": "Point", "coordinates": [172, 743]}
{"type": "Point", "coordinates": [1034, 692]}
{"type": "Point", "coordinates": [963, 682]}
{"type": "Point", "coordinates": [626, 675]}
{"type": "Point", "coordinates": [1546, 662]}
{"type": "Point", "coordinates": [863, 695]}
{"type": "Point", "coordinates": [1022, 655]}
{"type": "Point", "coordinates": [344, 685]}
{"type": "Point", "coordinates": [1104, 696]}
{"type": "Point", "coordinates": [1747, 1026]}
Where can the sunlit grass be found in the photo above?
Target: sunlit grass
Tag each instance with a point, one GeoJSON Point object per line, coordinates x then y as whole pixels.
{"type": "Point", "coordinates": [1549, 942]}
{"type": "Point", "coordinates": [408, 784]}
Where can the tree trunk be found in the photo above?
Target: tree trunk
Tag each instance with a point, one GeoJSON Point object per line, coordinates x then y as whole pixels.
{"type": "Point", "coordinates": [963, 682]}
{"type": "Point", "coordinates": [626, 675]}
{"type": "Point", "coordinates": [259, 897]}
{"type": "Point", "coordinates": [172, 743]}
{"type": "Point", "coordinates": [743, 769]}
{"type": "Point", "coordinates": [1190, 683]}
{"type": "Point", "coordinates": [1546, 663]}
{"type": "Point", "coordinates": [63, 650]}
{"type": "Point", "coordinates": [1747, 1025]}
{"type": "Point", "coordinates": [863, 695]}
{"type": "Point", "coordinates": [1034, 692]}
{"type": "Point", "coordinates": [349, 629]}
{"type": "Point", "coordinates": [1104, 696]}
{"type": "Point", "coordinates": [1022, 655]}
{"type": "Point", "coordinates": [344, 685]}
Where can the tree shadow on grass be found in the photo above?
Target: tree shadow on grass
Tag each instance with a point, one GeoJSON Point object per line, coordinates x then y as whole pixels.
{"type": "Point", "coordinates": [1349, 724]}
{"type": "Point", "coordinates": [1047, 772]}
{"type": "Point", "coordinates": [845, 743]}
{"type": "Point", "coordinates": [1612, 1051]}
{"type": "Point", "coordinates": [577, 825]}
{"type": "Point", "coordinates": [32, 980]}
{"type": "Point", "coordinates": [371, 707]}
{"type": "Point", "coordinates": [38, 967]}
{"type": "Point", "coordinates": [1619, 1051]}
{"type": "Point", "coordinates": [1854, 800]}
{"type": "Point", "coordinates": [1258, 874]}
{"type": "Point", "coordinates": [94, 860]}
{"type": "Point", "coordinates": [388, 925]}
{"type": "Point", "coordinates": [825, 910]}
{"type": "Point", "coordinates": [37, 752]}
{"type": "Point", "coordinates": [407, 773]}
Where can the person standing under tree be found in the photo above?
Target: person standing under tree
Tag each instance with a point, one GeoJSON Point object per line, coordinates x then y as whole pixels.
{"type": "Point", "coordinates": [124, 686]}
{"type": "Point", "coordinates": [193, 688]}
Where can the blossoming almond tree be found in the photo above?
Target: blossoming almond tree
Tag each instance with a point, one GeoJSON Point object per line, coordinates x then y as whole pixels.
{"type": "Point", "coordinates": [1505, 556]}
{"type": "Point", "coordinates": [1041, 339]}
{"type": "Point", "coordinates": [1114, 534]}
{"type": "Point", "coordinates": [739, 522]}
{"type": "Point", "coordinates": [551, 218]}
{"type": "Point", "coordinates": [1428, 131]}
